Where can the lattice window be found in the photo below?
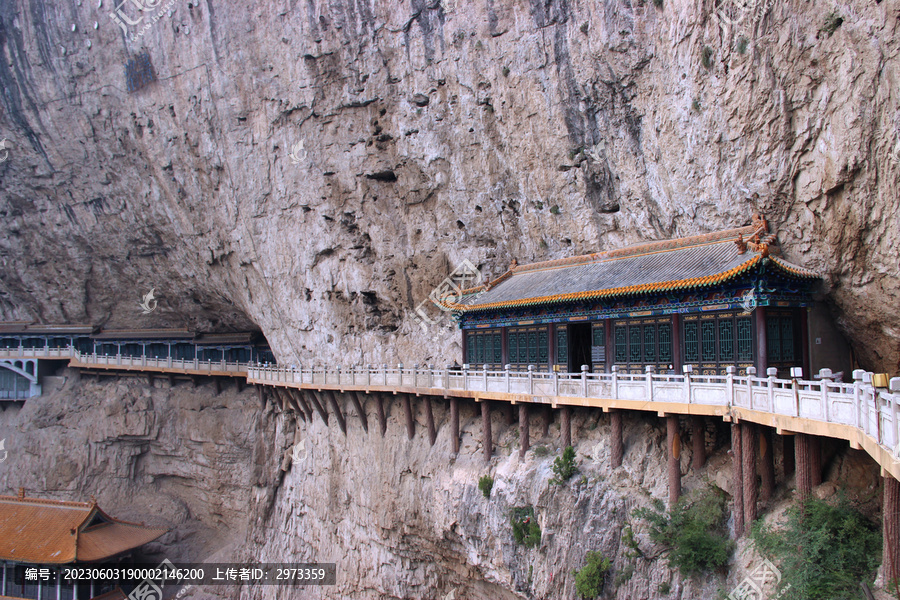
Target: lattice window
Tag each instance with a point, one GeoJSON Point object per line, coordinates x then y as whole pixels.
{"type": "Point", "coordinates": [708, 341]}
{"type": "Point", "coordinates": [726, 340]}
{"type": "Point", "coordinates": [744, 339]}
{"type": "Point", "coordinates": [513, 348]}
{"type": "Point", "coordinates": [532, 348]}
{"type": "Point", "coordinates": [523, 348]}
{"type": "Point", "coordinates": [787, 339]}
{"type": "Point", "coordinates": [621, 344]}
{"type": "Point", "coordinates": [562, 345]}
{"type": "Point", "coordinates": [479, 349]}
{"type": "Point", "coordinates": [773, 339]}
{"type": "Point", "coordinates": [691, 342]}
{"type": "Point", "coordinates": [650, 343]}
{"type": "Point", "coordinates": [634, 344]}
{"type": "Point", "coordinates": [665, 342]}
{"type": "Point", "coordinates": [498, 348]}
{"type": "Point", "coordinates": [543, 347]}
{"type": "Point", "coordinates": [598, 332]}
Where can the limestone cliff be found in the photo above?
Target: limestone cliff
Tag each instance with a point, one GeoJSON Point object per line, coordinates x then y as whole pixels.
{"type": "Point", "coordinates": [315, 168]}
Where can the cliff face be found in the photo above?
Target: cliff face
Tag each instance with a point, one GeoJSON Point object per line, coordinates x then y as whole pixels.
{"type": "Point", "coordinates": [316, 168]}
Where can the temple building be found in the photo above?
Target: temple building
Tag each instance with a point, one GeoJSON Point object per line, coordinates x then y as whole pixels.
{"type": "Point", "coordinates": [49, 534]}
{"type": "Point", "coordinates": [709, 301]}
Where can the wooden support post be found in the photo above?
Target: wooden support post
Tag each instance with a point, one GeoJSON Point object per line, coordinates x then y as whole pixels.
{"type": "Point", "coordinates": [379, 405]}
{"type": "Point", "coordinates": [486, 430]}
{"type": "Point", "coordinates": [750, 444]}
{"type": "Point", "coordinates": [289, 397]}
{"type": "Point", "coordinates": [301, 402]}
{"type": "Point", "coordinates": [149, 378]}
{"type": "Point", "coordinates": [454, 423]}
{"type": "Point", "coordinates": [359, 410]}
{"type": "Point", "coordinates": [279, 399]}
{"type": "Point", "coordinates": [194, 384]}
{"type": "Point", "coordinates": [698, 439]}
{"type": "Point", "coordinates": [548, 419]}
{"type": "Point", "coordinates": [338, 413]}
{"type": "Point", "coordinates": [617, 443]}
{"type": "Point", "coordinates": [737, 480]}
{"type": "Point", "coordinates": [767, 465]}
{"type": "Point", "coordinates": [815, 460]}
{"type": "Point", "coordinates": [240, 384]}
{"type": "Point", "coordinates": [673, 438]}
{"type": "Point", "coordinates": [171, 380]}
{"type": "Point", "coordinates": [429, 419]}
{"type": "Point", "coordinates": [890, 531]}
{"type": "Point", "coordinates": [804, 478]}
{"type": "Point", "coordinates": [318, 404]}
{"type": "Point", "coordinates": [565, 427]}
{"type": "Point", "coordinates": [509, 413]}
{"type": "Point", "coordinates": [410, 421]}
{"type": "Point", "coordinates": [218, 385]}
{"type": "Point", "coordinates": [260, 393]}
{"type": "Point", "coordinates": [524, 423]}
{"type": "Point", "coordinates": [788, 455]}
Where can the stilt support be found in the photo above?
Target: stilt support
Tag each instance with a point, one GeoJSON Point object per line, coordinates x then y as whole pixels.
{"type": "Point", "coordinates": [804, 468]}
{"type": "Point", "coordinates": [240, 384]}
{"type": "Point", "coordinates": [698, 439]}
{"type": "Point", "coordinates": [548, 419]}
{"type": "Point", "coordinates": [737, 479]}
{"type": "Point", "coordinates": [524, 423]}
{"type": "Point", "coordinates": [509, 413]}
{"type": "Point", "coordinates": [218, 384]}
{"type": "Point", "coordinates": [750, 443]}
{"type": "Point", "coordinates": [617, 444]}
{"type": "Point", "coordinates": [260, 393]}
{"type": "Point", "coordinates": [171, 380]}
{"type": "Point", "coordinates": [379, 405]}
{"type": "Point", "coordinates": [788, 457]}
{"type": "Point", "coordinates": [766, 465]}
{"type": "Point", "coordinates": [673, 437]}
{"type": "Point", "coordinates": [410, 421]}
{"type": "Point", "coordinates": [565, 427]}
{"type": "Point", "coordinates": [890, 554]}
{"type": "Point", "coordinates": [488, 442]}
{"type": "Point", "coordinates": [301, 402]}
{"type": "Point", "coordinates": [194, 379]}
{"type": "Point", "coordinates": [815, 460]}
{"type": "Point", "coordinates": [429, 419]}
{"type": "Point", "coordinates": [359, 410]}
{"type": "Point", "coordinates": [454, 423]}
{"type": "Point", "coordinates": [338, 413]}
{"type": "Point", "coordinates": [318, 404]}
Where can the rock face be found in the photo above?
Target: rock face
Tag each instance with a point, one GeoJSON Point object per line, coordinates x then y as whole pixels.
{"type": "Point", "coordinates": [316, 168]}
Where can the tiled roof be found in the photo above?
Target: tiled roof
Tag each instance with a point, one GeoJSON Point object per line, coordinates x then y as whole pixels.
{"type": "Point", "coordinates": [59, 532]}
{"type": "Point", "coordinates": [144, 334]}
{"type": "Point", "coordinates": [684, 263]}
{"type": "Point", "coordinates": [24, 328]}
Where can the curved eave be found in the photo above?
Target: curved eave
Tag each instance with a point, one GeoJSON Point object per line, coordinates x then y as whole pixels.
{"type": "Point", "coordinates": [666, 286]}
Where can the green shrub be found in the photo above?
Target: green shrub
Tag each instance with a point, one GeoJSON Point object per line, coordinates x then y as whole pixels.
{"type": "Point", "coordinates": [624, 575]}
{"type": "Point", "coordinates": [525, 526]}
{"type": "Point", "coordinates": [706, 57]}
{"type": "Point", "coordinates": [696, 104]}
{"type": "Point", "coordinates": [589, 579]}
{"type": "Point", "coordinates": [555, 209]}
{"type": "Point", "coordinates": [541, 450]}
{"type": "Point", "coordinates": [693, 531]}
{"type": "Point", "coordinates": [658, 3]}
{"type": "Point", "coordinates": [629, 541]}
{"type": "Point", "coordinates": [505, 71]}
{"type": "Point", "coordinates": [742, 45]}
{"type": "Point", "coordinates": [664, 588]}
{"type": "Point", "coordinates": [564, 466]}
{"type": "Point", "coordinates": [824, 551]}
{"type": "Point", "coordinates": [486, 484]}
{"type": "Point", "coordinates": [832, 22]}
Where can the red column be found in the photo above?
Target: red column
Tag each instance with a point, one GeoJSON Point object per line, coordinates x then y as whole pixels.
{"type": "Point", "coordinates": [890, 556]}
{"type": "Point", "coordinates": [762, 348]}
{"type": "Point", "coordinates": [486, 430]}
{"type": "Point", "coordinates": [748, 470]}
{"type": "Point", "coordinates": [815, 460]}
{"type": "Point", "coordinates": [737, 479]}
{"type": "Point", "coordinates": [674, 441]}
{"type": "Point", "coordinates": [523, 429]}
{"type": "Point", "coordinates": [618, 449]}
{"type": "Point", "coordinates": [766, 465]}
{"type": "Point", "coordinates": [788, 454]}
{"type": "Point", "coordinates": [565, 427]}
{"type": "Point", "coordinates": [804, 468]}
{"type": "Point", "coordinates": [454, 423]}
{"type": "Point", "coordinates": [698, 435]}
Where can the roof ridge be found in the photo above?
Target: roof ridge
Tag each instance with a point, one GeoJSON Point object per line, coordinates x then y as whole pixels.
{"type": "Point", "coordinates": [46, 502]}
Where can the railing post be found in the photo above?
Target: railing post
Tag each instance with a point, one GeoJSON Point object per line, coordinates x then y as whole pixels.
{"type": "Point", "coordinates": [751, 373]}
{"type": "Point", "coordinates": [729, 383]}
{"type": "Point", "coordinates": [857, 395]}
{"type": "Point", "coordinates": [506, 376]}
{"type": "Point", "coordinates": [584, 370]}
{"type": "Point", "coordinates": [771, 372]}
{"type": "Point", "coordinates": [649, 369]}
{"type": "Point", "coordinates": [484, 369]}
{"type": "Point", "coordinates": [531, 379]}
{"type": "Point", "coordinates": [556, 383]}
{"type": "Point", "coordinates": [687, 369]}
{"type": "Point", "coordinates": [465, 373]}
{"type": "Point", "coordinates": [615, 382]}
{"type": "Point", "coordinates": [824, 378]}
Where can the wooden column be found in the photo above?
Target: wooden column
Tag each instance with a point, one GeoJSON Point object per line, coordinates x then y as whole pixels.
{"type": "Point", "coordinates": [301, 402]}
{"type": "Point", "coordinates": [486, 430]}
{"type": "Point", "coordinates": [218, 385]}
{"type": "Point", "coordinates": [172, 380]}
{"type": "Point", "coordinates": [410, 421]}
{"type": "Point", "coordinates": [509, 413]}
{"type": "Point", "coordinates": [429, 419]}
{"type": "Point", "coordinates": [804, 341]}
{"type": "Point", "coordinates": [565, 427]}
{"type": "Point", "coordinates": [319, 406]}
{"type": "Point", "coordinates": [338, 413]}
{"type": "Point", "coordinates": [762, 347]}
{"type": "Point", "coordinates": [815, 460]}
{"type": "Point", "coordinates": [787, 451]}
{"type": "Point", "coordinates": [750, 443]}
{"type": "Point", "coordinates": [260, 393]}
{"type": "Point", "coordinates": [737, 479]}
{"type": "Point", "coordinates": [240, 384]}
{"type": "Point", "coordinates": [359, 410]}
{"type": "Point", "coordinates": [617, 445]}
{"type": "Point", "coordinates": [294, 405]}
{"type": "Point", "coordinates": [379, 405]}
{"type": "Point", "coordinates": [698, 439]}
{"type": "Point", "coordinates": [548, 419]}
{"type": "Point", "coordinates": [804, 477]}
{"type": "Point", "coordinates": [673, 437]}
{"type": "Point", "coordinates": [677, 360]}
{"type": "Point", "coordinates": [890, 511]}
{"type": "Point", "coordinates": [454, 423]}
{"type": "Point", "coordinates": [767, 465]}
{"type": "Point", "coordinates": [524, 423]}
